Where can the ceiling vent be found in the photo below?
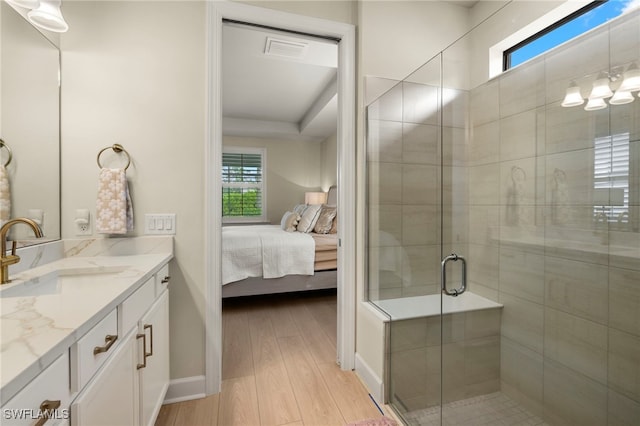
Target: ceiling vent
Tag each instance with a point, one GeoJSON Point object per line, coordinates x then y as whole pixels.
{"type": "Point", "coordinates": [285, 48]}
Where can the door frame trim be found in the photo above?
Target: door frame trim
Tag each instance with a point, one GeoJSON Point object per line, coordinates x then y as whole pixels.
{"type": "Point", "coordinates": [346, 145]}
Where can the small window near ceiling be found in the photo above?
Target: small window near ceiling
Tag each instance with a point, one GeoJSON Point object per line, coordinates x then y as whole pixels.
{"type": "Point", "coordinates": [243, 185]}
{"type": "Point", "coordinates": [579, 22]}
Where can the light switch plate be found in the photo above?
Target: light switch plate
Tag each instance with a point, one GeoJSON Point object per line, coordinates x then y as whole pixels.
{"type": "Point", "coordinates": [160, 224]}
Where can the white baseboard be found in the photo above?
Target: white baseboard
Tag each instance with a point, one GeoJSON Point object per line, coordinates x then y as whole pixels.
{"type": "Point", "coordinates": [185, 389]}
{"type": "Point", "coordinates": [370, 379]}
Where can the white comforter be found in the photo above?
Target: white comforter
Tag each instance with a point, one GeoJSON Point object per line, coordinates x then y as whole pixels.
{"type": "Point", "coordinates": [265, 251]}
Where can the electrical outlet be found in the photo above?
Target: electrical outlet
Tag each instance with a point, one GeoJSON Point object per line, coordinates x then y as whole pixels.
{"type": "Point", "coordinates": [83, 229]}
{"type": "Point", "coordinates": [83, 222]}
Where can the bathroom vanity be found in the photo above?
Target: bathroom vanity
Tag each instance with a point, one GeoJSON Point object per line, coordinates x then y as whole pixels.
{"type": "Point", "coordinates": [85, 338]}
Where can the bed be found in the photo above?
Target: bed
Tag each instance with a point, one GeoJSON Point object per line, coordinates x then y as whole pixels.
{"type": "Point", "coordinates": [267, 259]}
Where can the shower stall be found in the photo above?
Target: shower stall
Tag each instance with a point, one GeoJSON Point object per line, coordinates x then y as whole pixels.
{"type": "Point", "coordinates": [504, 235]}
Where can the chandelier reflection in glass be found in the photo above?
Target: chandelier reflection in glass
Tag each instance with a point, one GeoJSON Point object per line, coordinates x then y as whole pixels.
{"type": "Point", "coordinates": [601, 90]}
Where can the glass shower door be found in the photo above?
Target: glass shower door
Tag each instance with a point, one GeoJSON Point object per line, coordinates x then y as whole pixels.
{"type": "Point", "coordinates": [404, 221]}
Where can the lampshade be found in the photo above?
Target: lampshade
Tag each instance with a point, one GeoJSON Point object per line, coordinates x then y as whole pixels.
{"type": "Point", "coordinates": [621, 97]}
{"type": "Point", "coordinates": [631, 79]}
{"type": "Point", "coordinates": [595, 104]}
{"type": "Point", "coordinates": [601, 88]}
{"type": "Point", "coordinates": [573, 96]}
{"type": "Point", "coordinates": [315, 197]}
{"type": "Point", "coordinates": [26, 4]}
{"type": "Point", "coordinates": [48, 16]}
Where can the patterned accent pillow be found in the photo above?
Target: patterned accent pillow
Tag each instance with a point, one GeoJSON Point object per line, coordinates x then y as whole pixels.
{"type": "Point", "coordinates": [289, 221]}
{"type": "Point", "coordinates": [300, 208]}
{"type": "Point", "coordinates": [334, 225]}
{"type": "Point", "coordinates": [309, 218]}
{"type": "Point", "coordinates": [325, 220]}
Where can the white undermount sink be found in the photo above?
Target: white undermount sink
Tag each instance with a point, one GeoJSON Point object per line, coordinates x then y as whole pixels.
{"type": "Point", "coordinates": [52, 282]}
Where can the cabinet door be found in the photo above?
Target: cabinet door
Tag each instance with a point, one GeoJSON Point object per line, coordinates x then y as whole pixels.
{"type": "Point", "coordinates": [111, 398]}
{"type": "Point", "coordinates": [154, 377]}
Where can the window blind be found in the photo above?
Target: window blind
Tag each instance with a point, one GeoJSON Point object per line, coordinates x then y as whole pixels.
{"type": "Point", "coordinates": [611, 171]}
{"type": "Point", "coordinates": [242, 184]}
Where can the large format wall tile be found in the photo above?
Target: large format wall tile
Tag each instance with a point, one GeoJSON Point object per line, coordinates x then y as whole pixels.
{"type": "Point", "coordinates": [522, 274]}
{"type": "Point", "coordinates": [576, 343]}
{"type": "Point", "coordinates": [420, 184]}
{"type": "Point", "coordinates": [485, 103]}
{"type": "Point", "coordinates": [572, 398]}
{"type": "Point", "coordinates": [484, 144]}
{"type": "Point", "coordinates": [519, 135]}
{"type": "Point", "coordinates": [420, 104]}
{"type": "Point", "coordinates": [624, 300]}
{"type": "Point", "coordinates": [522, 369]}
{"type": "Point", "coordinates": [523, 322]}
{"type": "Point", "coordinates": [577, 288]}
{"type": "Point", "coordinates": [624, 364]}
{"type": "Point", "coordinates": [420, 143]}
{"type": "Point", "coordinates": [522, 88]}
{"type": "Point", "coordinates": [623, 411]}
{"type": "Point", "coordinates": [385, 141]}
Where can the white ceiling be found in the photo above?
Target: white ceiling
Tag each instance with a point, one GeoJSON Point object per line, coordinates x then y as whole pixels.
{"type": "Point", "coordinates": [274, 96]}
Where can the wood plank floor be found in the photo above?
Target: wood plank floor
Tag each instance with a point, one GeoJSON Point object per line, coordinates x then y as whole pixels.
{"type": "Point", "coordinates": [278, 368]}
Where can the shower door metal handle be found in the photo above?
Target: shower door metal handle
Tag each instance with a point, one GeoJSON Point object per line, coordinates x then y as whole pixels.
{"type": "Point", "coordinates": [463, 285]}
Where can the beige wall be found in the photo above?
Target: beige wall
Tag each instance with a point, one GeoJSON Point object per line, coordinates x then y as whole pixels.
{"type": "Point", "coordinates": [138, 78]}
{"type": "Point", "coordinates": [293, 167]}
{"type": "Point", "coordinates": [329, 153]}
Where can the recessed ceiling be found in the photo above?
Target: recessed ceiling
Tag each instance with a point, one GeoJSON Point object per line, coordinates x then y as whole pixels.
{"type": "Point", "coordinates": [277, 84]}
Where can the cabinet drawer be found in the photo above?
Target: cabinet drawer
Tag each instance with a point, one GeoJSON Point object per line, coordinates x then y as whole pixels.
{"type": "Point", "coordinates": [92, 350]}
{"type": "Point", "coordinates": [162, 279]}
{"type": "Point", "coordinates": [137, 304]}
{"type": "Point", "coordinates": [51, 385]}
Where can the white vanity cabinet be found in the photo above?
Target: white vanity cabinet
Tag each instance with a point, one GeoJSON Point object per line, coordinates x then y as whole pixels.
{"type": "Point", "coordinates": [130, 384]}
{"type": "Point", "coordinates": [154, 373]}
{"type": "Point", "coordinates": [47, 393]}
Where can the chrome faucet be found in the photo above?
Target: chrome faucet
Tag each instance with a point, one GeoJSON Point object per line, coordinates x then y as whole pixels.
{"type": "Point", "coordinates": [6, 260]}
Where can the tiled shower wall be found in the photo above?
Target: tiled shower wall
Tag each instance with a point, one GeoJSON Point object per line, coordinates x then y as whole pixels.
{"type": "Point", "coordinates": [570, 285]}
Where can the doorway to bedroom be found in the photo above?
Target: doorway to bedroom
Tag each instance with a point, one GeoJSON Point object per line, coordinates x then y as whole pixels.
{"type": "Point", "coordinates": [282, 135]}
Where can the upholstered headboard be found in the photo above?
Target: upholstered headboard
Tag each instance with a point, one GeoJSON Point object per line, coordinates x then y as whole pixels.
{"type": "Point", "coordinates": [332, 196]}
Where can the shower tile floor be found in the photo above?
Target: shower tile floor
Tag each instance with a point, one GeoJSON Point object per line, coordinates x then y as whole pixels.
{"type": "Point", "coordinates": [495, 409]}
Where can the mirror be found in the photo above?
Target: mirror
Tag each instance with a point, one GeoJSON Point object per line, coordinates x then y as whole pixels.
{"type": "Point", "coordinates": [30, 124]}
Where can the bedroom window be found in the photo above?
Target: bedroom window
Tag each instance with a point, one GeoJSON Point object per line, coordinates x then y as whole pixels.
{"type": "Point", "coordinates": [611, 179]}
{"type": "Point", "coordinates": [243, 185]}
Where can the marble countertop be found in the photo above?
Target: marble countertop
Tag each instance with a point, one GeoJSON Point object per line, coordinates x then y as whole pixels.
{"type": "Point", "coordinates": [37, 328]}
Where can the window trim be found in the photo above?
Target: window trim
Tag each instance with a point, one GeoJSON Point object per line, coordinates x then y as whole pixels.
{"type": "Point", "coordinates": [506, 54]}
{"type": "Point", "coordinates": [263, 155]}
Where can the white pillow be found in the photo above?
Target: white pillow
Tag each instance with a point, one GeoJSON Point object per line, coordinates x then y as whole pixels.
{"type": "Point", "coordinates": [300, 208]}
{"type": "Point", "coordinates": [309, 218]}
{"type": "Point", "coordinates": [289, 221]}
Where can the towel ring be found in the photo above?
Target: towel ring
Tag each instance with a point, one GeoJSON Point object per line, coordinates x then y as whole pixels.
{"type": "Point", "coordinates": [117, 148]}
{"type": "Point", "coordinates": [5, 146]}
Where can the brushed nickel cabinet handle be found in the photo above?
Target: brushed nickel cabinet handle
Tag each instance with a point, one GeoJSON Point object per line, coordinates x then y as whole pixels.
{"type": "Point", "coordinates": [165, 279]}
{"type": "Point", "coordinates": [143, 336]}
{"type": "Point", "coordinates": [46, 409]}
{"type": "Point", "coordinates": [150, 327]}
{"type": "Point", "coordinates": [109, 340]}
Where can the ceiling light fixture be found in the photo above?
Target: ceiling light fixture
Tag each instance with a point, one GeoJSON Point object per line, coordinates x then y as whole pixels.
{"type": "Point", "coordinates": [595, 104]}
{"type": "Point", "coordinates": [48, 16]}
{"type": "Point", "coordinates": [631, 79]}
{"type": "Point", "coordinates": [621, 97]}
{"type": "Point", "coordinates": [573, 96]}
{"type": "Point", "coordinates": [601, 89]}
